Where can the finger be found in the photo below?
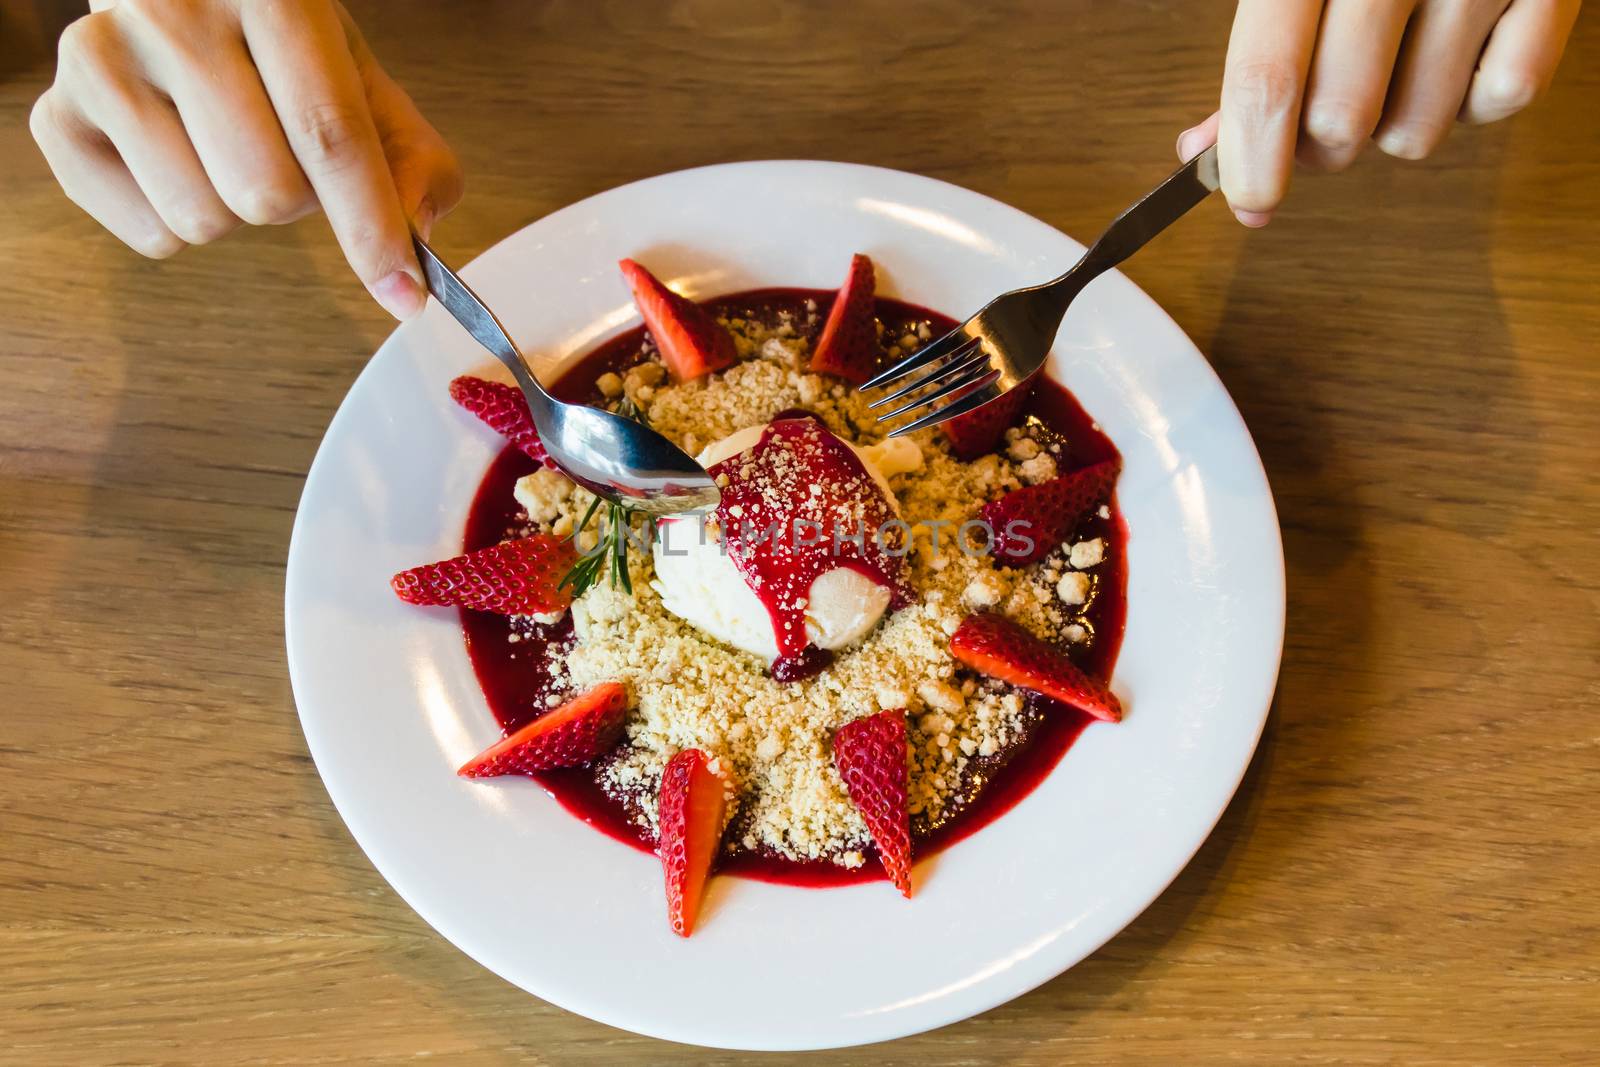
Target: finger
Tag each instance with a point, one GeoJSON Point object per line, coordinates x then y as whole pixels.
{"type": "Point", "coordinates": [427, 175]}
{"type": "Point", "coordinates": [99, 77]}
{"type": "Point", "coordinates": [1437, 58]}
{"type": "Point", "coordinates": [150, 138]}
{"type": "Point", "coordinates": [1197, 139]}
{"type": "Point", "coordinates": [231, 123]}
{"type": "Point", "coordinates": [94, 177]}
{"type": "Point", "coordinates": [1357, 46]}
{"type": "Point", "coordinates": [1268, 56]}
{"type": "Point", "coordinates": [317, 93]}
{"type": "Point", "coordinates": [1520, 59]}
{"type": "Point", "coordinates": [426, 172]}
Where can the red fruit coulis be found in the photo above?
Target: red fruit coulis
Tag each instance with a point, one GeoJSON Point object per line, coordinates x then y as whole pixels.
{"type": "Point", "coordinates": [515, 681]}
{"type": "Point", "coordinates": [797, 504]}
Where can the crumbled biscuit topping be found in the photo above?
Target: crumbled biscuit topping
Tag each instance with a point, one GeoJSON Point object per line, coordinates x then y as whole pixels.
{"type": "Point", "coordinates": [773, 739]}
{"type": "Point", "coordinates": [1086, 554]}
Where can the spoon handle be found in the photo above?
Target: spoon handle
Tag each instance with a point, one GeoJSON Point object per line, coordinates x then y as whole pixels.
{"type": "Point", "coordinates": [473, 314]}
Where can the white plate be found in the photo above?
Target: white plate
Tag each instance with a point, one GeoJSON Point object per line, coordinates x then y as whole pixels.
{"type": "Point", "coordinates": [390, 706]}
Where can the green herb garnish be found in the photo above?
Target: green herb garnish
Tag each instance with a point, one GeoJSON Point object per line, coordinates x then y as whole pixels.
{"type": "Point", "coordinates": [610, 554]}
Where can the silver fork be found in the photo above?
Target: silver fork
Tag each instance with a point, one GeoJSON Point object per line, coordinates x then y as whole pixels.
{"type": "Point", "coordinates": [1009, 338]}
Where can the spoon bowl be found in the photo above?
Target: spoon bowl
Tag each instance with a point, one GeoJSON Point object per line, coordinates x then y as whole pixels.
{"type": "Point", "coordinates": [617, 458]}
{"type": "Point", "coordinates": [625, 461]}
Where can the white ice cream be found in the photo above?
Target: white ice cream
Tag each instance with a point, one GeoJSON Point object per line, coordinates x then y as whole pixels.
{"type": "Point", "coordinates": [701, 585]}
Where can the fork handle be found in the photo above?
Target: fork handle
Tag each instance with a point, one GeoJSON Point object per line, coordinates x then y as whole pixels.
{"type": "Point", "coordinates": [1160, 208]}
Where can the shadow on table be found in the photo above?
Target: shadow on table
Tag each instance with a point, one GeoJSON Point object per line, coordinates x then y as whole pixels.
{"type": "Point", "coordinates": [29, 31]}
{"type": "Point", "coordinates": [1303, 376]}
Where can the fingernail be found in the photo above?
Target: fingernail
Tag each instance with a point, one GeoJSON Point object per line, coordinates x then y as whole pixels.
{"type": "Point", "coordinates": [424, 219]}
{"type": "Point", "coordinates": [1253, 219]}
{"type": "Point", "coordinates": [1401, 142]}
{"type": "Point", "coordinates": [400, 294]}
{"type": "Point", "coordinates": [1188, 144]}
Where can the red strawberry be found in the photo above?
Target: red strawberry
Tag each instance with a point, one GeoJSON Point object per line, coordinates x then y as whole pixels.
{"type": "Point", "coordinates": [871, 756]}
{"type": "Point", "coordinates": [994, 645]}
{"type": "Point", "coordinates": [979, 431]}
{"type": "Point", "coordinates": [692, 803]}
{"type": "Point", "coordinates": [848, 345]}
{"type": "Point", "coordinates": [692, 342]}
{"type": "Point", "coordinates": [1030, 522]}
{"type": "Point", "coordinates": [513, 578]}
{"type": "Point", "coordinates": [504, 409]}
{"type": "Point", "coordinates": [569, 736]}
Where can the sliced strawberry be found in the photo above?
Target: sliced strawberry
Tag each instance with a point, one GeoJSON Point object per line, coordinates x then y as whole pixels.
{"type": "Point", "coordinates": [978, 432]}
{"type": "Point", "coordinates": [692, 343]}
{"type": "Point", "coordinates": [994, 645]}
{"type": "Point", "coordinates": [504, 409]}
{"type": "Point", "coordinates": [848, 344]}
{"type": "Point", "coordinates": [1029, 522]}
{"type": "Point", "coordinates": [870, 754]}
{"type": "Point", "coordinates": [691, 808]}
{"type": "Point", "coordinates": [571, 735]}
{"type": "Point", "coordinates": [512, 578]}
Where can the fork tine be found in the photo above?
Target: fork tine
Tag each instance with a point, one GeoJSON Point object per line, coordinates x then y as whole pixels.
{"type": "Point", "coordinates": [959, 364]}
{"type": "Point", "coordinates": [920, 358]}
{"type": "Point", "coordinates": [981, 374]}
{"type": "Point", "coordinates": [959, 406]}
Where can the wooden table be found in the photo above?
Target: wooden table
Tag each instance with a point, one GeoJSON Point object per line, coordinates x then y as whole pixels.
{"type": "Point", "coordinates": [1408, 872]}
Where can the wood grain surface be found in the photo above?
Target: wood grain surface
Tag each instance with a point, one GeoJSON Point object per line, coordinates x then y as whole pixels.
{"type": "Point", "coordinates": [1408, 873]}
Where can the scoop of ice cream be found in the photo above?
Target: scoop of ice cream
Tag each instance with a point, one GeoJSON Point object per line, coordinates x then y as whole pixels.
{"type": "Point", "coordinates": [701, 584]}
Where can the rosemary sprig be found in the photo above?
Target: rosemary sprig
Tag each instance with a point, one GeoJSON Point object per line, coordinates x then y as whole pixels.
{"type": "Point", "coordinates": [610, 554]}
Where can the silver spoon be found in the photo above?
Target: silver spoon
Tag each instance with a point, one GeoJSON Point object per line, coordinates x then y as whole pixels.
{"type": "Point", "coordinates": [611, 456]}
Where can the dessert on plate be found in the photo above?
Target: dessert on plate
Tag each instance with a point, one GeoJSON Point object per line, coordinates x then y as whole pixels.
{"type": "Point", "coordinates": [871, 647]}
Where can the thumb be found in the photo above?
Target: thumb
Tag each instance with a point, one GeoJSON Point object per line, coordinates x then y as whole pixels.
{"type": "Point", "coordinates": [1197, 139]}
{"type": "Point", "coordinates": [427, 176]}
{"type": "Point", "coordinates": [426, 173]}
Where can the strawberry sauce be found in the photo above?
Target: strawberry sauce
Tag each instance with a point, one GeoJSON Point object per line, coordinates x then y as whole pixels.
{"type": "Point", "coordinates": [798, 504]}
{"type": "Point", "coordinates": [515, 683]}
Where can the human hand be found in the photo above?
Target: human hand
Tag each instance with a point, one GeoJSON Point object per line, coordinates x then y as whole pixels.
{"type": "Point", "coordinates": [173, 121]}
{"type": "Point", "coordinates": [1313, 80]}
